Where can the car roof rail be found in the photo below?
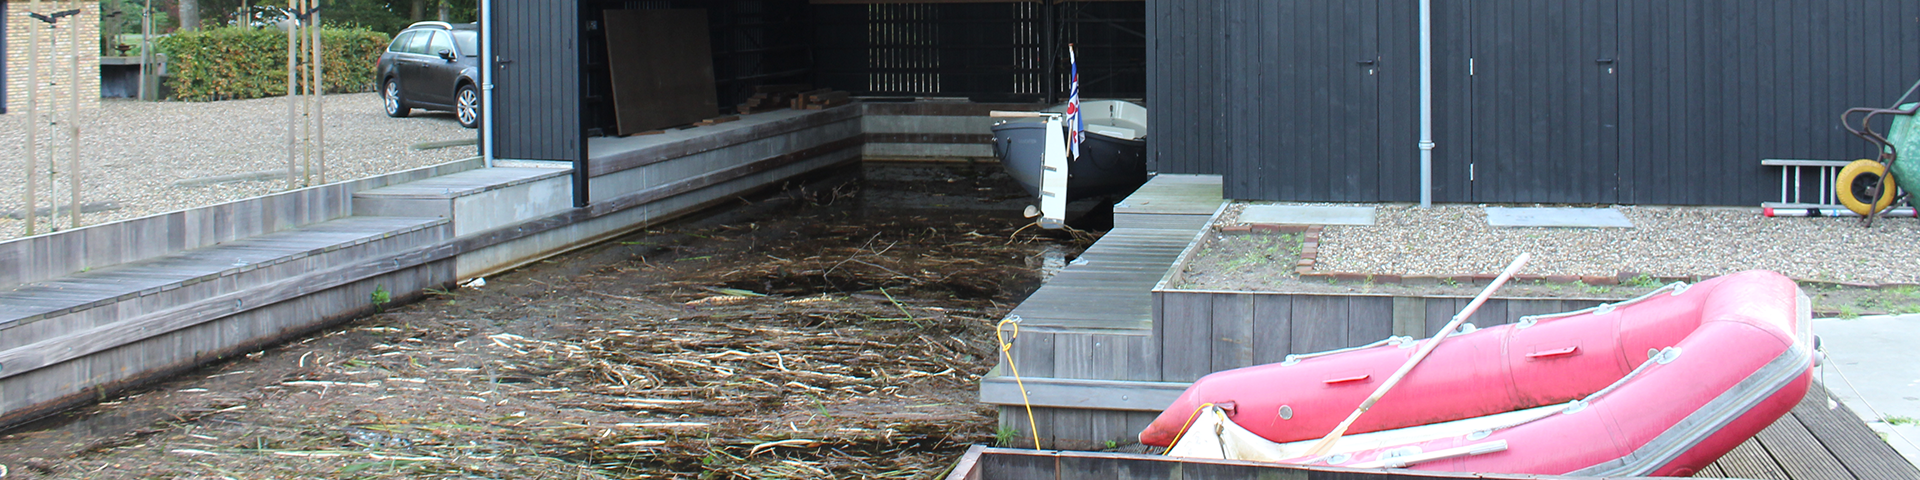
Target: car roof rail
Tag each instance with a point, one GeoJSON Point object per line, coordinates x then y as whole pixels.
{"type": "Point", "coordinates": [430, 23]}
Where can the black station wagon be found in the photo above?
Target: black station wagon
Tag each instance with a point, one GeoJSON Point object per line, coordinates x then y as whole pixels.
{"type": "Point", "coordinates": [433, 66]}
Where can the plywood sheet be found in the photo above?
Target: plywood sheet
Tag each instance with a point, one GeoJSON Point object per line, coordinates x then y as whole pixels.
{"type": "Point", "coordinates": [661, 65]}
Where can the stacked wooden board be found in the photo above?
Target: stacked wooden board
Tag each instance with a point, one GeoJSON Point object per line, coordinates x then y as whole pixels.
{"type": "Point", "coordinates": [768, 98]}
{"type": "Point", "coordinates": [822, 98]}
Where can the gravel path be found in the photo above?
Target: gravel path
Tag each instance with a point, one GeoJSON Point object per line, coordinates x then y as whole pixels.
{"type": "Point", "coordinates": [1672, 241]}
{"type": "Point", "coordinates": [134, 153]}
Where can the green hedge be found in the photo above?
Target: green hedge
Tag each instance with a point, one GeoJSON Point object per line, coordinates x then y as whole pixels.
{"type": "Point", "coordinates": [236, 63]}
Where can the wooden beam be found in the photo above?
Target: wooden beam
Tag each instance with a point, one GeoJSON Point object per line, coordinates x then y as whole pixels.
{"type": "Point", "coordinates": [1082, 394]}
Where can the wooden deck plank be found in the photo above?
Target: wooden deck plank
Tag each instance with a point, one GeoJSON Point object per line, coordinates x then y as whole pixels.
{"type": "Point", "coordinates": [1750, 460]}
{"type": "Point", "coordinates": [1799, 453]}
{"type": "Point", "coordinates": [1110, 286]}
{"type": "Point", "coordinates": [464, 183]}
{"type": "Point", "coordinates": [1850, 441]}
{"type": "Point", "coordinates": [1174, 194]}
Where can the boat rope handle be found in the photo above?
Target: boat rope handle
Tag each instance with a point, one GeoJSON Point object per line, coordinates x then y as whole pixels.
{"type": "Point", "coordinates": [1662, 357]}
{"type": "Point", "coordinates": [1390, 340]}
{"type": "Point", "coordinates": [1530, 320]}
{"type": "Point", "coordinates": [1183, 428]}
{"type": "Point", "coordinates": [1006, 349]}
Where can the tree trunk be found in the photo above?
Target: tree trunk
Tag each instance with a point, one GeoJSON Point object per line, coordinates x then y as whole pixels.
{"type": "Point", "coordinates": [445, 13]}
{"type": "Point", "coordinates": [419, 11]}
{"type": "Point", "coordinates": [189, 15]}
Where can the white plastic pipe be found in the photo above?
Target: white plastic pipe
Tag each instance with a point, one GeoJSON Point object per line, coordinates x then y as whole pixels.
{"type": "Point", "coordinates": [486, 82]}
{"type": "Point", "coordinates": [1426, 103]}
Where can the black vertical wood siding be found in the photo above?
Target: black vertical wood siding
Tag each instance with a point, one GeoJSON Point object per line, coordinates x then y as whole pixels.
{"type": "Point", "coordinates": [1562, 101]}
{"type": "Point", "coordinates": [3, 57]}
{"type": "Point", "coordinates": [536, 84]}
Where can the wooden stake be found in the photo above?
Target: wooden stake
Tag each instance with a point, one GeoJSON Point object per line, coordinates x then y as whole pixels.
{"type": "Point", "coordinates": [1326, 444]}
{"type": "Point", "coordinates": [33, 120]}
{"type": "Point", "coordinates": [319, 119]}
{"type": "Point", "coordinates": [73, 118]}
{"type": "Point", "coordinates": [293, 81]}
{"type": "Point", "coordinates": [306, 108]}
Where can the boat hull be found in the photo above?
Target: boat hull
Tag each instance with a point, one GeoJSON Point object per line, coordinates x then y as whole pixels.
{"type": "Point", "coordinates": [1106, 166]}
{"type": "Point", "coordinates": [1733, 355]}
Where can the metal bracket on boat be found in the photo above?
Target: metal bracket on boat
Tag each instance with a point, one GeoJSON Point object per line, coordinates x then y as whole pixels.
{"type": "Point", "coordinates": [1465, 328]}
{"type": "Point", "coordinates": [1664, 356]}
{"type": "Point", "coordinates": [1678, 288]}
{"type": "Point", "coordinates": [1574, 407]}
{"type": "Point", "coordinates": [1402, 341]}
{"type": "Point", "coordinates": [1338, 458]}
{"type": "Point", "coordinates": [1479, 434]}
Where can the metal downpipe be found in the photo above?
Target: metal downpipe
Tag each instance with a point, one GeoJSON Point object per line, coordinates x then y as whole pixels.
{"type": "Point", "coordinates": [1426, 103]}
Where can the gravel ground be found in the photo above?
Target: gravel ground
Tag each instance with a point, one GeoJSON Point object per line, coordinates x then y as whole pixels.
{"type": "Point", "coordinates": [1673, 241]}
{"type": "Point", "coordinates": [134, 152]}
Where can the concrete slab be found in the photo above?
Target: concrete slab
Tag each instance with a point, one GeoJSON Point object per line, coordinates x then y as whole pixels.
{"type": "Point", "coordinates": [1557, 217]}
{"type": "Point", "coordinates": [1870, 362]}
{"type": "Point", "coordinates": [1307, 215]}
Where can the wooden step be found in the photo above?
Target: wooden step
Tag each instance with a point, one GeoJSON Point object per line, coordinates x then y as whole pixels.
{"type": "Point", "coordinates": [475, 200]}
{"type": "Point", "coordinates": [164, 282]}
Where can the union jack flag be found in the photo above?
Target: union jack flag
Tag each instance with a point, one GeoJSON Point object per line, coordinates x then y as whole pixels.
{"type": "Point", "coordinates": [1075, 125]}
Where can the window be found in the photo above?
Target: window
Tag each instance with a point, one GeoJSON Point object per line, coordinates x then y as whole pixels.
{"type": "Point", "coordinates": [469, 42]}
{"type": "Point", "coordinates": [441, 42]}
{"type": "Point", "coordinates": [418, 44]}
{"type": "Point", "coordinates": [400, 43]}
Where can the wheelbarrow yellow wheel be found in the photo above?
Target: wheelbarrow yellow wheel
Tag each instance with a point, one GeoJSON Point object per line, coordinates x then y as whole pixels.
{"type": "Point", "coordinates": [1856, 183]}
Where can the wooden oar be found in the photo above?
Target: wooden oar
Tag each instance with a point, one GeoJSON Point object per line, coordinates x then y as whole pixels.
{"type": "Point", "coordinates": [1326, 444]}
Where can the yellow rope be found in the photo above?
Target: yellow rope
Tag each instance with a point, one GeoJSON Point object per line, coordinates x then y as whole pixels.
{"type": "Point", "coordinates": [1183, 428]}
{"type": "Point", "coordinates": [1006, 347]}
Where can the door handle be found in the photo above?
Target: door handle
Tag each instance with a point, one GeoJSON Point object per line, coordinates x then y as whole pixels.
{"type": "Point", "coordinates": [1555, 352]}
{"type": "Point", "coordinates": [1364, 62]}
{"type": "Point", "coordinates": [1603, 61]}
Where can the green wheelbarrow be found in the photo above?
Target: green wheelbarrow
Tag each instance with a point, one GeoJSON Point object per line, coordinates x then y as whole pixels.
{"type": "Point", "coordinates": [1871, 186]}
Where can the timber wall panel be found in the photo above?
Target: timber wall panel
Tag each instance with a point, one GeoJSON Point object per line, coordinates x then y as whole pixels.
{"type": "Point", "coordinates": [1565, 101]}
{"type": "Point", "coordinates": [1206, 332]}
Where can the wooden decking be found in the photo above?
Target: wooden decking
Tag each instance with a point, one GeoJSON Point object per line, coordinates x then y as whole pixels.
{"type": "Point", "coordinates": [1105, 289]}
{"type": "Point", "coordinates": [1094, 370]}
{"type": "Point", "coordinates": [1814, 442]}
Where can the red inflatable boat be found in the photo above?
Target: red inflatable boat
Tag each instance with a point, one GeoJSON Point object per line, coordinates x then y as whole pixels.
{"type": "Point", "coordinates": [1659, 385]}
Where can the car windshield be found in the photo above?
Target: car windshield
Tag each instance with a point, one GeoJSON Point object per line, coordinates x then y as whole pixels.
{"type": "Point", "coordinates": [469, 42]}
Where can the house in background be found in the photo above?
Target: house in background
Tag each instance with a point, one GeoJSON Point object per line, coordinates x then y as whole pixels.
{"type": "Point", "coordinates": [55, 51]}
{"type": "Point", "coordinates": [1551, 101]}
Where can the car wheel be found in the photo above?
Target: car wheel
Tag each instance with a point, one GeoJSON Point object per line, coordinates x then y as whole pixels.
{"type": "Point", "coordinates": [390, 94]}
{"type": "Point", "coordinates": [467, 106]}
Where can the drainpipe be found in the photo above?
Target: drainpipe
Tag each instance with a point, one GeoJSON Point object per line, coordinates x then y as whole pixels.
{"type": "Point", "coordinates": [486, 82]}
{"type": "Point", "coordinates": [1426, 103]}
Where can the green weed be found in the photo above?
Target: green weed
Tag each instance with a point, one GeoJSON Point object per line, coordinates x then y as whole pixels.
{"type": "Point", "coordinates": [1112, 444]}
{"type": "Point", "coordinates": [1900, 420]}
{"type": "Point", "coordinates": [1005, 436]}
{"type": "Point", "coordinates": [1643, 281]}
{"type": "Point", "coordinates": [380, 297]}
{"type": "Point", "coordinates": [1847, 312]}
